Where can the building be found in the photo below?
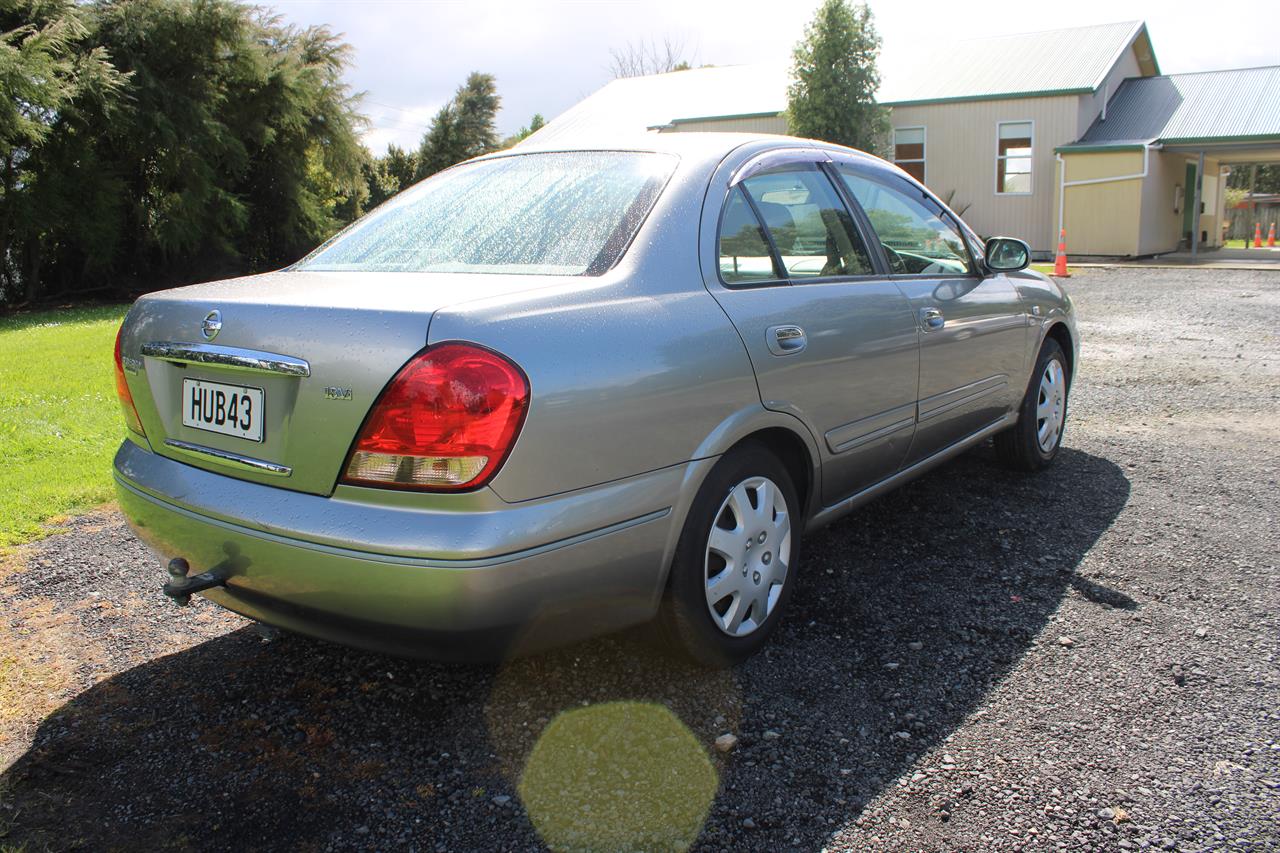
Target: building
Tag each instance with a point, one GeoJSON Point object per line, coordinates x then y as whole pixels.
{"type": "Point", "coordinates": [1131, 185]}
{"type": "Point", "coordinates": [1023, 134]}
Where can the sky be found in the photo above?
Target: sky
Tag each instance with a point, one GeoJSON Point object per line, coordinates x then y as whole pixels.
{"type": "Point", "coordinates": [411, 55]}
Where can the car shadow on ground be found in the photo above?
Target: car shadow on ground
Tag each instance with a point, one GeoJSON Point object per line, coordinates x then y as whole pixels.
{"type": "Point", "coordinates": [907, 615]}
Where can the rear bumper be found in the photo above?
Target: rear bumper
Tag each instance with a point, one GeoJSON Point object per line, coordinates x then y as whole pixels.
{"type": "Point", "coordinates": [447, 576]}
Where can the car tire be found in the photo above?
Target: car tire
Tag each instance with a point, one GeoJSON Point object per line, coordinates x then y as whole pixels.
{"type": "Point", "coordinates": [717, 591]}
{"type": "Point", "coordinates": [1035, 440]}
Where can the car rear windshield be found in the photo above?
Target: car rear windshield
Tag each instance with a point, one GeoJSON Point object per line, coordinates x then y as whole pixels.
{"type": "Point", "coordinates": [535, 214]}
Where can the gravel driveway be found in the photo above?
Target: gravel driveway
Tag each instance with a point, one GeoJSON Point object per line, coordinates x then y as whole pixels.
{"type": "Point", "coordinates": [1083, 660]}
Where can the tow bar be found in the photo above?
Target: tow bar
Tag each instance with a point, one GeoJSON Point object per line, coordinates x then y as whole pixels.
{"type": "Point", "coordinates": [180, 587]}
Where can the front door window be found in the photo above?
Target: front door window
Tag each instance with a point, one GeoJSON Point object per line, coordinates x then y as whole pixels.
{"type": "Point", "coordinates": [917, 238]}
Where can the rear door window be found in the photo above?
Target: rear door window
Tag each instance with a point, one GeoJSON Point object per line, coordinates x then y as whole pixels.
{"type": "Point", "coordinates": [813, 232]}
{"type": "Point", "coordinates": [745, 256]}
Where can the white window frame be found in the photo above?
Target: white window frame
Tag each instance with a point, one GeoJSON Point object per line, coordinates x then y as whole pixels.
{"type": "Point", "coordinates": [996, 174]}
{"type": "Point", "coordinates": [924, 145]}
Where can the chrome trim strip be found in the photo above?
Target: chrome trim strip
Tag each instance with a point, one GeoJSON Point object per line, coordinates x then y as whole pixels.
{"type": "Point", "coordinates": [226, 457]}
{"type": "Point", "coordinates": [233, 358]}
{"type": "Point", "coordinates": [939, 404]}
{"type": "Point", "coordinates": [870, 428]}
{"type": "Point", "coordinates": [905, 423]}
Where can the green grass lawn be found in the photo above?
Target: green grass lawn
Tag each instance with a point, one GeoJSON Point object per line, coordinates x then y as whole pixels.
{"type": "Point", "coordinates": [1047, 269]}
{"type": "Point", "coordinates": [1247, 244]}
{"type": "Point", "coordinates": [60, 422]}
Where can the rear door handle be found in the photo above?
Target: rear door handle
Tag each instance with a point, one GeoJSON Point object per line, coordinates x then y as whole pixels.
{"type": "Point", "coordinates": [931, 319]}
{"type": "Point", "coordinates": [785, 340]}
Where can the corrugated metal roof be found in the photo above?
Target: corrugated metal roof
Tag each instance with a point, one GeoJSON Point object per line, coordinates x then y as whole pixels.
{"type": "Point", "coordinates": [1061, 61]}
{"type": "Point", "coordinates": [1208, 105]}
{"type": "Point", "coordinates": [1055, 61]}
{"type": "Point", "coordinates": [639, 103]}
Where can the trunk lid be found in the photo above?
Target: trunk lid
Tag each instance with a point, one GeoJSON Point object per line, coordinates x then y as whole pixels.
{"type": "Point", "coordinates": [312, 351]}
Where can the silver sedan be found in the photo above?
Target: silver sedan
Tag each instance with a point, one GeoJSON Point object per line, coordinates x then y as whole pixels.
{"type": "Point", "coordinates": [550, 393]}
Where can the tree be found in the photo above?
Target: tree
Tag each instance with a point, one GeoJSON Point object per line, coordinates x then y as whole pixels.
{"type": "Point", "coordinates": [389, 174]}
{"type": "Point", "coordinates": [642, 58]}
{"type": "Point", "coordinates": [48, 73]}
{"type": "Point", "coordinates": [834, 79]}
{"type": "Point", "coordinates": [305, 175]}
{"type": "Point", "coordinates": [463, 128]}
{"type": "Point", "coordinates": [535, 124]}
{"type": "Point", "coordinates": [1258, 178]}
{"type": "Point", "coordinates": [441, 145]}
{"type": "Point", "coordinates": [210, 140]}
{"type": "Point", "coordinates": [476, 108]}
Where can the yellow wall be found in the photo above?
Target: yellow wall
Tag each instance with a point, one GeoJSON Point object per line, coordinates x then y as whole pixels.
{"type": "Point", "coordinates": [1103, 219]}
{"type": "Point", "coordinates": [1161, 223]}
{"type": "Point", "coordinates": [1213, 198]}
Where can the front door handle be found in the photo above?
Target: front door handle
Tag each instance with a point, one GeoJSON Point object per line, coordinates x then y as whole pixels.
{"type": "Point", "coordinates": [785, 340]}
{"type": "Point", "coordinates": [931, 319]}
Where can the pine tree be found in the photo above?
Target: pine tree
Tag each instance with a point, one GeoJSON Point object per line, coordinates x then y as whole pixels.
{"type": "Point", "coordinates": [535, 124]}
{"type": "Point", "coordinates": [463, 128]}
{"type": "Point", "coordinates": [832, 94]}
{"type": "Point", "coordinates": [441, 145]}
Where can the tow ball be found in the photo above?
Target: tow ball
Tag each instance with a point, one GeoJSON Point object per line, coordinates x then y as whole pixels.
{"type": "Point", "coordinates": [180, 587]}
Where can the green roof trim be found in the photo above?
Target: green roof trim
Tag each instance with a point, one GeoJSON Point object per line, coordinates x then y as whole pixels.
{"type": "Point", "coordinates": [728, 117]}
{"type": "Point", "coordinates": [1139, 32]}
{"type": "Point", "coordinates": [998, 96]}
{"type": "Point", "coordinates": [1221, 140]}
{"type": "Point", "coordinates": [1086, 148]}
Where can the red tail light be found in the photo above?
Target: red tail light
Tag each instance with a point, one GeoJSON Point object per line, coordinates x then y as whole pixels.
{"type": "Point", "coordinates": [446, 422]}
{"type": "Point", "coordinates": [131, 419]}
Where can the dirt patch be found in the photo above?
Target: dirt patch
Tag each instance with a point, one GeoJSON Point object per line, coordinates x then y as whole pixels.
{"type": "Point", "coordinates": [72, 620]}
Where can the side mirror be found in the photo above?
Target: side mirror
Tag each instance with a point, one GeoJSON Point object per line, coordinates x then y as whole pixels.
{"type": "Point", "coordinates": [1007, 254]}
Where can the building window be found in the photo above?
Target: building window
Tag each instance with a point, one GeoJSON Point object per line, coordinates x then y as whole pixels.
{"type": "Point", "coordinates": [1013, 157]}
{"type": "Point", "coordinates": [908, 151]}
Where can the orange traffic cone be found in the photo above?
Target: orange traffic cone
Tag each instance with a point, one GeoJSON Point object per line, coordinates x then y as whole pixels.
{"type": "Point", "coordinates": [1060, 263]}
{"type": "Point", "coordinates": [1271, 236]}
{"type": "Point", "coordinates": [1257, 235]}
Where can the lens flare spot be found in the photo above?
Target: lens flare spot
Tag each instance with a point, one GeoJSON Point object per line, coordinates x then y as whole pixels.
{"type": "Point", "coordinates": [618, 776]}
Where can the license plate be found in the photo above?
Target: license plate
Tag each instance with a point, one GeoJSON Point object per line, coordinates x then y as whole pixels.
{"type": "Point", "coordinates": [228, 409]}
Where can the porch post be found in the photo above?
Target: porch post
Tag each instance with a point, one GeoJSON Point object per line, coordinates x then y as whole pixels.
{"type": "Point", "coordinates": [1195, 208]}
